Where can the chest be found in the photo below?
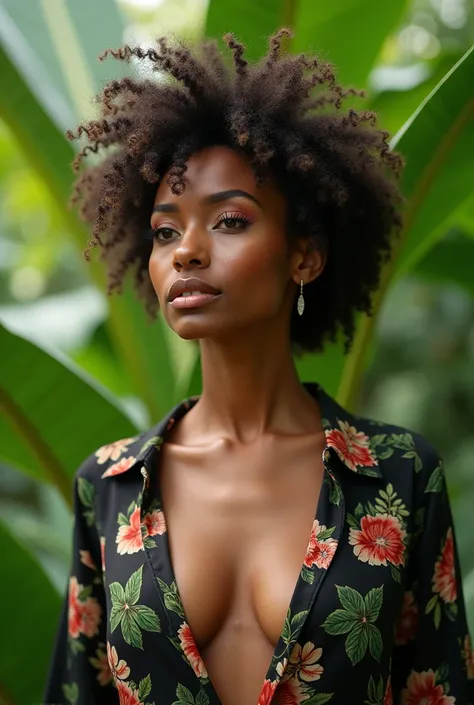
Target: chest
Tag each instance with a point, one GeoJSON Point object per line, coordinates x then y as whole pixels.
{"type": "Point", "coordinates": [238, 529]}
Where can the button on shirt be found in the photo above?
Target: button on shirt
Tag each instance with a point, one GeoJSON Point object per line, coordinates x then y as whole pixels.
{"type": "Point", "coordinates": [377, 615]}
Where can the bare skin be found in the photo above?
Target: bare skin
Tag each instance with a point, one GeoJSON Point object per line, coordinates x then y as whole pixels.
{"type": "Point", "coordinates": [241, 473]}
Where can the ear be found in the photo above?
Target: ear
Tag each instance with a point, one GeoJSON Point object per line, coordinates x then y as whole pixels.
{"type": "Point", "coordinates": [307, 261]}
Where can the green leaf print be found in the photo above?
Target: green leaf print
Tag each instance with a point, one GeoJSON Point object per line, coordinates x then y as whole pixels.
{"type": "Point", "coordinates": [145, 618]}
{"type": "Point", "coordinates": [122, 519]}
{"type": "Point", "coordinates": [133, 618]}
{"type": "Point", "coordinates": [75, 646]}
{"type": "Point", "coordinates": [353, 523]}
{"type": "Point", "coordinates": [202, 698]}
{"type": "Point", "coordinates": [71, 692]}
{"type": "Point", "coordinates": [184, 696]}
{"type": "Point", "coordinates": [85, 593]}
{"type": "Point", "coordinates": [130, 630]}
{"type": "Point", "coordinates": [351, 600]}
{"type": "Point", "coordinates": [116, 614]}
{"type": "Point", "coordinates": [171, 598]}
{"type": "Point", "coordinates": [298, 619]}
{"type": "Point", "coordinates": [431, 604]}
{"type": "Point", "coordinates": [292, 624]}
{"type": "Point", "coordinates": [335, 492]}
{"type": "Point", "coordinates": [356, 643]}
{"type": "Point", "coordinates": [144, 688]}
{"type": "Point", "coordinates": [133, 587]}
{"type": "Point", "coordinates": [286, 631]}
{"type": "Point", "coordinates": [373, 603]}
{"type": "Point", "coordinates": [117, 593]}
{"type": "Point", "coordinates": [375, 641]}
{"type": "Point", "coordinates": [153, 441]}
{"type": "Point", "coordinates": [307, 575]}
{"type": "Point", "coordinates": [435, 483]}
{"type": "Point", "coordinates": [356, 620]}
{"type": "Point", "coordinates": [326, 534]}
{"type": "Point", "coordinates": [340, 622]}
{"type": "Point", "coordinates": [395, 573]}
{"type": "Point", "coordinates": [86, 494]}
{"type": "Point", "coordinates": [375, 694]}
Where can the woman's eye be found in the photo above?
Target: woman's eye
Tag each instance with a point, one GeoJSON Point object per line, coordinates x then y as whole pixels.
{"type": "Point", "coordinates": [231, 222]}
{"type": "Point", "coordinates": [163, 234]}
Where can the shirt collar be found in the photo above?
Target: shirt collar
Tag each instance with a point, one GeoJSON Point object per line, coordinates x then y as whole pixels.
{"type": "Point", "coordinates": [347, 436]}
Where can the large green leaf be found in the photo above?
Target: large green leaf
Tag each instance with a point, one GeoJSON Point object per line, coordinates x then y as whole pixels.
{"type": "Point", "coordinates": [66, 38]}
{"type": "Point", "coordinates": [29, 608]}
{"type": "Point", "coordinates": [52, 415]}
{"type": "Point", "coordinates": [348, 33]}
{"type": "Point", "coordinates": [394, 107]}
{"type": "Point", "coordinates": [452, 261]}
{"type": "Point", "coordinates": [437, 142]}
{"type": "Point", "coordinates": [332, 29]}
{"type": "Point", "coordinates": [143, 348]}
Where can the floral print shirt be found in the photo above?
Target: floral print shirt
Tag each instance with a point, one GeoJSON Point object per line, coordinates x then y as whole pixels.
{"type": "Point", "coordinates": [377, 615]}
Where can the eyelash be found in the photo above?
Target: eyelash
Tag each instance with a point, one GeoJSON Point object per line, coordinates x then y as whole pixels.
{"type": "Point", "coordinates": [238, 217]}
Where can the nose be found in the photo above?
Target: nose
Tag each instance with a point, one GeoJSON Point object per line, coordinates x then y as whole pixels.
{"type": "Point", "coordinates": [192, 250]}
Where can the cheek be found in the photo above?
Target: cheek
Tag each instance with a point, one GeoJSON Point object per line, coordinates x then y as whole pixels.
{"type": "Point", "coordinates": [154, 270]}
{"type": "Point", "coordinates": [260, 260]}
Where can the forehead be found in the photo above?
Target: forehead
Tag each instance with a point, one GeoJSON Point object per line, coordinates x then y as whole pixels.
{"type": "Point", "coordinates": [214, 169]}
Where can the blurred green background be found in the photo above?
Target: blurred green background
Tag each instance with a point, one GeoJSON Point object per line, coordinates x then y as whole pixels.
{"type": "Point", "coordinates": [72, 374]}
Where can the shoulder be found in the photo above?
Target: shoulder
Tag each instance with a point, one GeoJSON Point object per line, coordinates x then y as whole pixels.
{"type": "Point", "coordinates": [400, 452]}
{"type": "Point", "coordinates": [116, 457]}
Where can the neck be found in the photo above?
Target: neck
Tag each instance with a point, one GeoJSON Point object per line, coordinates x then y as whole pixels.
{"type": "Point", "coordinates": [251, 388]}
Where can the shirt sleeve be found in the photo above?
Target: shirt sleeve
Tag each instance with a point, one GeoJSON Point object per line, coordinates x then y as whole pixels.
{"type": "Point", "coordinates": [79, 671]}
{"type": "Point", "coordinates": [432, 659]}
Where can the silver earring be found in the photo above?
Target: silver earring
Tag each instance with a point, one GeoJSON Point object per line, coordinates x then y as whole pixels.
{"type": "Point", "coordinates": [301, 301]}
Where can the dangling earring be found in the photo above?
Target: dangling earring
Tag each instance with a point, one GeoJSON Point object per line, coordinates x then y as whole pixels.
{"type": "Point", "coordinates": [301, 301]}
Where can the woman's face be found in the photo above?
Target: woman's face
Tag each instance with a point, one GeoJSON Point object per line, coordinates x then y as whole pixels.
{"type": "Point", "coordinates": [230, 233]}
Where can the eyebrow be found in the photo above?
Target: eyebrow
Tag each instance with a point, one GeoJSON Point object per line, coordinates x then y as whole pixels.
{"type": "Point", "coordinates": [212, 198]}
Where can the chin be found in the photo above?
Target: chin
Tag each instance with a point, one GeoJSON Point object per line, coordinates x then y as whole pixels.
{"type": "Point", "coordinates": [191, 330]}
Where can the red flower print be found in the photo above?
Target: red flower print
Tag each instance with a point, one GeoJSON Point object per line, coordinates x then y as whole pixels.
{"type": "Point", "coordinates": [118, 668]}
{"type": "Point", "coordinates": [118, 468]}
{"type": "Point", "coordinates": [127, 696]}
{"type": "Point", "coordinates": [407, 622]}
{"type": "Point", "coordinates": [83, 616]}
{"type": "Point", "coordinates": [191, 651]}
{"type": "Point", "coordinates": [74, 615]}
{"type": "Point", "coordinates": [388, 697]}
{"type": "Point", "coordinates": [129, 537]}
{"type": "Point", "coordinates": [304, 663]}
{"type": "Point", "coordinates": [155, 522]}
{"type": "Point", "coordinates": [267, 692]}
{"type": "Point", "coordinates": [319, 553]}
{"type": "Point", "coordinates": [444, 578]}
{"type": "Point", "coordinates": [86, 559]}
{"type": "Point", "coordinates": [102, 552]}
{"type": "Point", "coordinates": [112, 451]}
{"type": "Point", "coordinates": [422, 690]}
{"type": "Point", "coordinates": [104, 677]}
{"type": "Point", "coordinates": [290, 692]}
{"type": "Point", "coordinates": [91, 613]}
{"type": "Point", "coordinates": [352, 446]}
{"type": "Point", "coordinates": [469, 657]}
{"type": "Point", "coordinates": [380, 539]}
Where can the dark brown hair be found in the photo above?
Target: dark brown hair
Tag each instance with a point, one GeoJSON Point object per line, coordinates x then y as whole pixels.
{"type": "Point", "coordinates": [334, 167]}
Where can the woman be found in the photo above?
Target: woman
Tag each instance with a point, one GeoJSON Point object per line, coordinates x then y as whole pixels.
{"type": "Point", "coordinates": [260, 543]}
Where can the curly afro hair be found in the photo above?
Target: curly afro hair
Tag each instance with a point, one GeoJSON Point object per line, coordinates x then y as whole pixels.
{"type": "Point", "coordinates": [335, 168]}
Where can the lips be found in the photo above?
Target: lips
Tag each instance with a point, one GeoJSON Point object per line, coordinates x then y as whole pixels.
{"type": "Point", "coordinates": [190, 285]}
